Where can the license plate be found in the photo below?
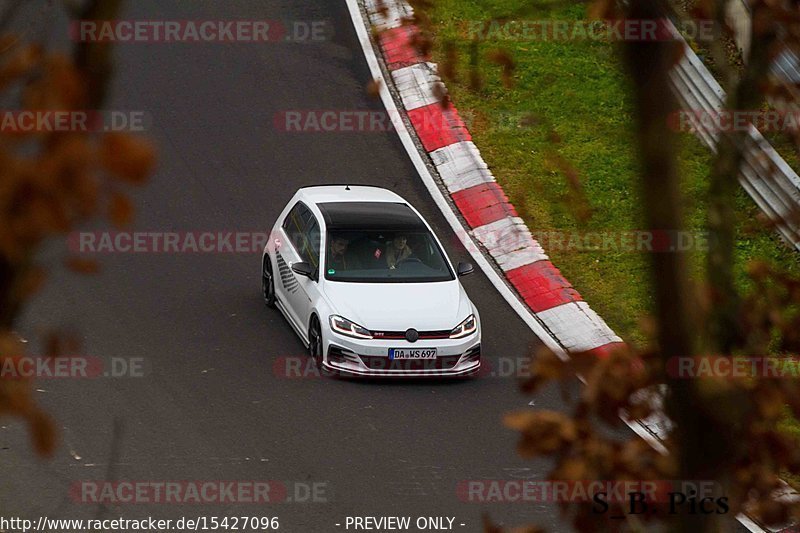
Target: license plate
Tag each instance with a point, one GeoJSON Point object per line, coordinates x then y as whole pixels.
{"type": "Point", "coordinates": [412, 353]}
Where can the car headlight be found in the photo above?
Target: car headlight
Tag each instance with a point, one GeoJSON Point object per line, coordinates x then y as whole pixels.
{"type": "Point", "coordinates": [467, 327]}
{"type": "Point", "coordinates": [341, 325]}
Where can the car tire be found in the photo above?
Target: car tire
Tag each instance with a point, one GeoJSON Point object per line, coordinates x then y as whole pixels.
{"type": "Point", "coordinates": [315, 343]}
{"type": "Point", "coordinates": [267, 283]}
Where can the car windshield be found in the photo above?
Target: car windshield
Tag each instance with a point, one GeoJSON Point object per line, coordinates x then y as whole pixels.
{"type": "Point", "coordinates": [385, 257]}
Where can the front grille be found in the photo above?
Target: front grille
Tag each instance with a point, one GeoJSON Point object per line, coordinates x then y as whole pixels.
{"type": "Point", "coordinates": [384, 363]}
{"type": "Point", "coordinates": [442, 334]}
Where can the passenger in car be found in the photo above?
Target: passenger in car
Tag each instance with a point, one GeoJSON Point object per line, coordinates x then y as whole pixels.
{"type": "Point", "coordinates": [397, 250]}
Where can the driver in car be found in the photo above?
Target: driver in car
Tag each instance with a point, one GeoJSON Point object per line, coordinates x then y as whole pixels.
{"type": "Point", "coordinates": [337, 253]}
{"type": "Point", "coordinates": [397, 251]}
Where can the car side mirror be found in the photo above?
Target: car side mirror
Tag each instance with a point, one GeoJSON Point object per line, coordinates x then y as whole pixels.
{"type": "Point", "coordinates": [464, 268]}
{"type": "Point", "coordinates": [304, 269]}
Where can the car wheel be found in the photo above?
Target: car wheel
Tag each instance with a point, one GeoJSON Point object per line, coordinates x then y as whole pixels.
{"type": "Point", "coordinates": [315, 342]}
{"type": "Point", "coordinates": [268, 283]}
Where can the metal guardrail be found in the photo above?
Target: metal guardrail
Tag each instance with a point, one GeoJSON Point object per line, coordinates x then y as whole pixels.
{"type": "Point", "coordinates": [766, 177]}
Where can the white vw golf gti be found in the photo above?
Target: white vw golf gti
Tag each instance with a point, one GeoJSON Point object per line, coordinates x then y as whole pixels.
{"type": "Point", "coordinates": [366, 285]}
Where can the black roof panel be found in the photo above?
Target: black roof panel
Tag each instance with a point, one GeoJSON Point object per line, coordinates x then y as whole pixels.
{"type": "Point", "coordinates": [370, 215]}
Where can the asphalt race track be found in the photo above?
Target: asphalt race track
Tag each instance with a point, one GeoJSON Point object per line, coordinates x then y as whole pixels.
{"type": "Point", "coordinates": [211, 405]}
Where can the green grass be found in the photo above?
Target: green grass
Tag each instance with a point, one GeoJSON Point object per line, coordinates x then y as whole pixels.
{"type": "Point", "coordinates": [578, 90]}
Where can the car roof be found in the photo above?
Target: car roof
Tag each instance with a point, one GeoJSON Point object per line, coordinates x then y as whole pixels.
{"type": "Point", "coordinates": [370, 215]}
{"type": "Point", "coordinates": [347, 193]}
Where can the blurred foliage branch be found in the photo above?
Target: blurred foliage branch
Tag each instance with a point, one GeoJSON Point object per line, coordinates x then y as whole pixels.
{"type": "Point", "coordinates": [50, 183]}
{"type": "Point", "coordinates": [723, 429]}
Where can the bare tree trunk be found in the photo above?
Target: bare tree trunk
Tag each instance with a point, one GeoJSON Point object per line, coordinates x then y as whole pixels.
{"type": "Point", "coordinates": [648, 64]}
{"type": "Point", "coordinates": [95, 59]}
{"type": "Point", "coordinates": [8, 311]}
{"type": "Point", "coordinates": [724, 332]}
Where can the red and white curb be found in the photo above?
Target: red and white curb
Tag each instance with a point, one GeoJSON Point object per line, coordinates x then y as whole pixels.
{"type": "Point", "coordinates": [480, 200]}
{"type": "Point", "coordinates": [541, 296]}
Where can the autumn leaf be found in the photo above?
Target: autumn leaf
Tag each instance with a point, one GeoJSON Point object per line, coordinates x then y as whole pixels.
{"type": "Point", "coordinates": [422, 43]}
{"type": "Point", "coordinates": [21, 62]}
{"type": "Point", "coordinates": [441, 94]}
{"type": "Point", "coordinates": [120, 210]}
{"type": "Point", "coordinates": [43, 433]}
{"type": "Point", "coordinates": [82, 265]}
{"type": "Point", "coordinates": [30, 282]}
{"type": "Point", "coordinates": [374, 88]}
{"type": "Point", "coordinates": [129, 158]}
{"type": "Point", "coordinates": [601, 9]}
{"type": "Point", "coordinates": [448, 67]}
{"type": "Point", "coordinates": [503, 59]}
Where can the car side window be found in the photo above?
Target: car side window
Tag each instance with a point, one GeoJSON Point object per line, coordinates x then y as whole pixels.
{"type": "Point", "coordinates": [313, 240]}
{"type": "Point", "coordinates": [303, 231]}
{"type": "Point", "coordinates": [295, 223]}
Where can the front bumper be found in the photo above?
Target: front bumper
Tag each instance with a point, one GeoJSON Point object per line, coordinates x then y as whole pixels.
{"type": "Point", "coordinates": [351, 357]}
